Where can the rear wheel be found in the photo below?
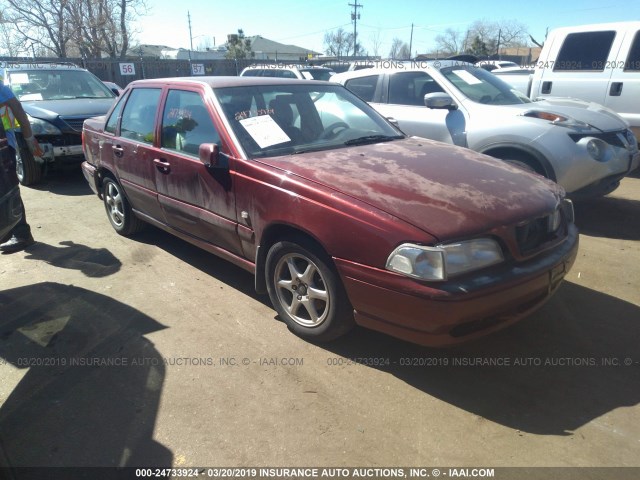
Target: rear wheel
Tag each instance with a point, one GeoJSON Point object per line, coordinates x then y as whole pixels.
{"type": "Point", "coordinates": [28, 170]}
{"type": "Point", "coordinates": [122, 218]}
{"type": "Point", "coordinates": [306, 291]}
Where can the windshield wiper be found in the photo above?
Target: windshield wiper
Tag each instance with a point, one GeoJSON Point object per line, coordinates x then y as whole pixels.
{"type": "Point", "coordinates": [372, 139]}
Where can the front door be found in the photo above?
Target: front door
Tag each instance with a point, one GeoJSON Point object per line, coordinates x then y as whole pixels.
{"type": "Point", "coordinates": [196, 200]}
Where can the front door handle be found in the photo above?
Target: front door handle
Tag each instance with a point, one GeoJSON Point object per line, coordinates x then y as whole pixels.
{"type": "Point", "coordinates": [118, 151]}
{"type": "Point", "coordinates": [162, 165]}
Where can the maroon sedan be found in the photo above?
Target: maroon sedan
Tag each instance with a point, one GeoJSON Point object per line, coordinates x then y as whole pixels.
{"type": "Point", "coordinates": [342, 218]}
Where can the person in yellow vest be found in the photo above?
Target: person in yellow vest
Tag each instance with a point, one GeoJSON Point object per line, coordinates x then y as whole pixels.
{"type": "Point", "coordinates": [11, 111]}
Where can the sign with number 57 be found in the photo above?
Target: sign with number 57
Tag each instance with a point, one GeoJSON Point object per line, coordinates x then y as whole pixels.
{"type": "Point", "coordinates": [197, 69]}
{"type": "Point", "coordinates": [127, 69]}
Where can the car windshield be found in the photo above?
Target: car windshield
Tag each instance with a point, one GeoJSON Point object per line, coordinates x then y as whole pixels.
{"type": "Point", "coordinates": [481, 86]}
{"type": "Point", "coordinates": [273, 120]}
{"type": "Point", "coordinates": [58, 84]}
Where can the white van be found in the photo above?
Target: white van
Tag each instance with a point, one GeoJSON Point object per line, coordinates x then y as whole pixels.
{"type": "Point", "coordinates": [599, 63]}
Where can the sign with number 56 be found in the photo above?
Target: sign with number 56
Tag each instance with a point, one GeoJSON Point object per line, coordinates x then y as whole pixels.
{"type": "Point", "coordinates": [127, 69]}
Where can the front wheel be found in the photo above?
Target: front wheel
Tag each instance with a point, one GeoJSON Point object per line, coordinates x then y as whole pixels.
{"type": "Point", "coordinates": [122, 218]}
{"type": "Point", "coordinates": [306, 291]}
{"type": "Point", "coordinates": [28, 170]}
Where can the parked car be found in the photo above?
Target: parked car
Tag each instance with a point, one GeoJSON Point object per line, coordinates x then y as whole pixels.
{"type": "Point", "coordinates": [340, 216]}
{"type": "Point", "coordinates": [114, 87]}
{"type": "Point", "coordinates": [58, 97]}
{"type": "Point", "coordinates": [282, 70]}
{"type": "Point", "coordinates": [584, 147]}
{"type": "Point", "coordinates": [493, 65]}
{"type": "Point", "coordinates": [517, 77]}
{"type": "Point", "coordinates": [597, 63]}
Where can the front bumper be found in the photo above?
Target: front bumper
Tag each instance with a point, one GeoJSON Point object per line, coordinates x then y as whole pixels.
{"type": "Point", "coordinates": [456, 311]}
{"type": "Point", "coordinates": [67, 154]}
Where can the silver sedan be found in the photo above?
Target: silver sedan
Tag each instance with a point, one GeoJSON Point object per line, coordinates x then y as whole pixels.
{"type": "Point", "coordinates": [584, 147]}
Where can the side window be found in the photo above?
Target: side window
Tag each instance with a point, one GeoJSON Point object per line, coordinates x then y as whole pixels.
{"type": "Point", "coordinates": [112, 123]}
{"type": "Point", "coordinates": [585, 51]}
{"type": "Point", "coordinates": [633, 60]}
{"type": "Point", "coordinates": [138, 118]}
{"type": "Point", "coordinates": [364, 87]}
{"type": "Point", "coordinates": [285, 74]}
{"type": "Point", "coordinates": [409, 88]}
{"type": "Point", "coordinates": [186, 123]}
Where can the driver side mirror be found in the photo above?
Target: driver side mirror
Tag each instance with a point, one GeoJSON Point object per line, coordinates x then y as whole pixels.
{"type": "Point", "coordinates": [209, 154]}
{"type": "Point", "coordinates": [439, 101]}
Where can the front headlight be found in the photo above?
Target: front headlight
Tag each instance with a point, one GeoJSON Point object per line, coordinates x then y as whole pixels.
{"type": "Point", "coordinates": [442, 261]}
{"type": "Point", "coordinates": [42, 127]}
{"type": "Point", "coordinates": [556, 119]}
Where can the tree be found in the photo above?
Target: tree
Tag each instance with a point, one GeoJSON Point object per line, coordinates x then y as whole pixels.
{"type": "Point", "coordinates": [83, 27]}
{"type": "Point", "coordinates": [238, 46]}
{"type": "Point", "coordinates": [399, 50]}
{"type": "Point", "coordinates": [450, 42]}
{"type": "Point", "coordinates": [478, 48]}
{"type": "Point", "coordinates": [338, 43]}
{"type": "Point", "coordinates": [376, 42]}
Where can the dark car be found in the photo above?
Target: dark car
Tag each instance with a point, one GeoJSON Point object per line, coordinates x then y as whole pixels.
{"type": "Point", "coordinates": [58, 97]}
{"type": "Point", "coordinates": [340, 216]}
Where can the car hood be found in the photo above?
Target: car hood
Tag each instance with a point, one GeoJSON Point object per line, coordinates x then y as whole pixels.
{"type": "Point", "coordinates": [449, 192]}
{"type": "Point", "coordinates": [73, 107]}
{"type": "Point", "coordinates": [593, 114]}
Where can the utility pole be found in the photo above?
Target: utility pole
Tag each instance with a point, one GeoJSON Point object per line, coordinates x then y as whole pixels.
{"type": "Point", "coordinates": [355, 16]}
{"type": "Point", "coordinates": [411, 41]}
{"type": "Point", "coordinates": [499, 38]}
{"type": "Point", "coordinates": [190, 40]}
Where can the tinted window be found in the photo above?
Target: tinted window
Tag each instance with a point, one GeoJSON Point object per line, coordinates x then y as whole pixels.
{"type": "Point", "coordinates": [409, 88]}
{"type": "Point", "coordinates": [633, 60]}
{"type": "Point", "coordinates": [138, 118]}
{"type": "Point", "coordinates": [585, 51]}
{"type": "Point", "coordinates": [186, 123]}
{"type": "Point", "coordinates": [364, 87]}
{"type": "Point", "coordinates": [112, 123]}
{"type": "Point", "coordinates": [285, 74]}
{"type": "Point", "coordinates": [252, 73]}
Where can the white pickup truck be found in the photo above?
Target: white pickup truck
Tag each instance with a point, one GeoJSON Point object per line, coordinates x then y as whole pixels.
{"type": "Point", "coordinates": [598, 63]}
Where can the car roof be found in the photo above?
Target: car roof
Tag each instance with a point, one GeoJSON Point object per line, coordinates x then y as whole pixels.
{"type": "Point", "coordinates": [221, 82]}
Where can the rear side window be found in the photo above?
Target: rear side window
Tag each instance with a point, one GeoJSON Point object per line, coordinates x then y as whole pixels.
{"type": "Point", "coordinates": [586, 51]}
{"type": "Point", "coordinates": [364, 87]}
{"type": "Point", "coordinates": [633, 60]}
{"type": "Point", "coordinates": [138, 118]}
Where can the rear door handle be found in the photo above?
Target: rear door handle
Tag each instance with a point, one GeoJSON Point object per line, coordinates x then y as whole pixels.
{"type": "Point", "coordinates": [162, 165]}
{"type": "Point", "coordinates": [118, 151]}
{"type": "Point", "coordinates": [616, 89]}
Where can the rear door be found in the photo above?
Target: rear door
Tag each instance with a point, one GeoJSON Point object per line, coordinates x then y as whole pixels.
{"type": "Point", "coordinates": [582, 66]}
{"type": "Point", "coordinates": [623, 92]}
{"type": "Point", "coordinates": [131, 150]}
{"type": "Point", "coordinates": [196, 200]}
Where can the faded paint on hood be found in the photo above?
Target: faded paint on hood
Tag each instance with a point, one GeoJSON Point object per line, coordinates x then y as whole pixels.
{"type": "Point", "coordinates": [449, 192]}
{"type": "Point", "coordinates": [73, 107]}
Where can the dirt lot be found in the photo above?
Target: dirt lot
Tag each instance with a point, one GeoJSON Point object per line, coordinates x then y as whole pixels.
{"type": "Point", "coordinates": [147, 351]}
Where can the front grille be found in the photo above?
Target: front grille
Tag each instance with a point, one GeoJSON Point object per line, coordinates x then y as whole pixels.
{"type": "Point", "coordinates": [75, 122]}
{"type": "Point", "coordinates": [534, 234]}
{"type": "Point", "coordinates": [612, 138]}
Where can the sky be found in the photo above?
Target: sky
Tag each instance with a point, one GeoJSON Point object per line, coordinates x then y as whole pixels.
{"type": "Point", "coordinates": [304, 22]}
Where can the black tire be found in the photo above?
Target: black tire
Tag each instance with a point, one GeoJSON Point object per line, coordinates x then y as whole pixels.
{"type": "Point", "coordinates": [119, 212]}
{"type": "Point", "coordinates": [307, 292]}
{"type": "Point", "coordinates": [28, 170]}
